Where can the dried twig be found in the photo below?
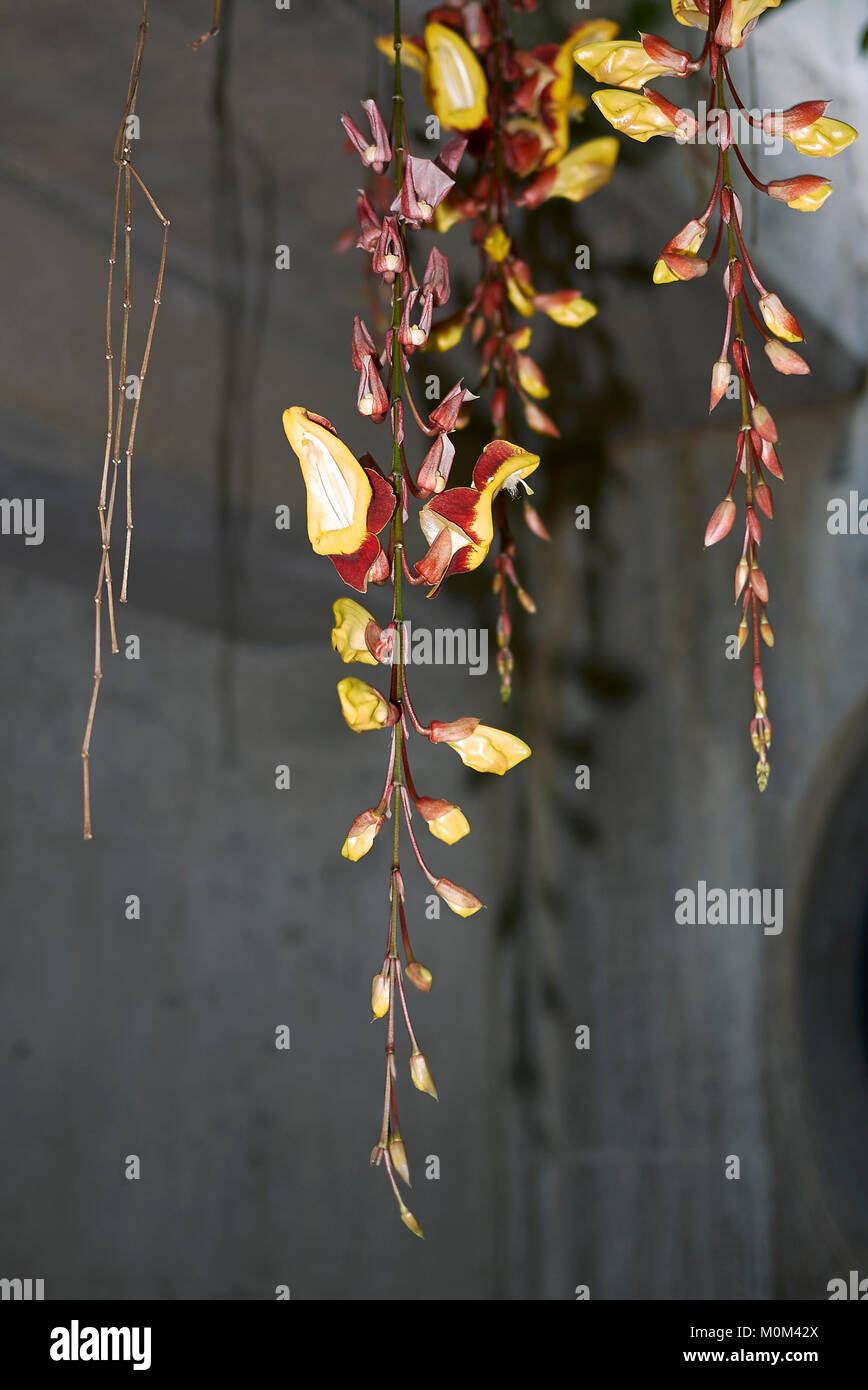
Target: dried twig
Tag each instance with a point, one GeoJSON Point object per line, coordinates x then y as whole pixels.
{"type": "Point", "coordinates": [126, 173]}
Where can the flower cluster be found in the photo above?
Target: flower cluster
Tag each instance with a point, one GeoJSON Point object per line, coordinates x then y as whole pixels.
{"type": "Point", "coordinates": [356, 515]}
{"type": "Point", "coordinates": [640, 112]}
{"type": "Point", "coordinates": [514, 107]}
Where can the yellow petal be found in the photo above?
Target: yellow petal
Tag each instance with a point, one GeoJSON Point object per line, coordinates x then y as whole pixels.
{"type": "Point", "coordinates": [381, 991]}
{"type": "Point", "coordinates": [453, 825]}
{"type": "Point", "coordinates": [531, 378]}
{"type": "Point", "coordinates": [825, 137]}
{"type": "Point", "coordinates": [491, 750]}
{"type": "Point", "coordinates": [362, 834]}
{"type": "Point", "coordinates": [520, 296]}
{"type": "Point", "coordinates": [813, 201]}
{"type": "Point", "coordinates": [348, 633]}
{"type": "Point", "coordinates": [623, 63]}
{"type": "Point", "coordinates": [663, 275]}
{"type": "Point", "coordinates": [497, 244]}
{"type": "Point", "coordinates": [633, 115]}
{"type": "Point", "coordinates": [459, 90]}
{"type": "Point", "coordinates": [688, 12]}
{"type": "Point", "coordinates": [363, 707]}
{"type": "Point", "coordinates": [447, 333]}
{"type": "Point", "coordinates": [338, 490]}
{"type": "Point", "coordinates": [585, 169]}
{"type": "Point", "coordinates": [743, 11]}
{"type": "Point", "coordinates": [594, 31]}
{"type": "Point", "coordinates": [446, 215]}
{"type": "Point", "coordinates": [573, 313]}
{"type": "Point", "coordinates": [412, 54]}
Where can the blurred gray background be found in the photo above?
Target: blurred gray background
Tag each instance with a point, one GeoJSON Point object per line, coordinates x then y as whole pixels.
{"type": "Point", "coordinates": [156, 1037]}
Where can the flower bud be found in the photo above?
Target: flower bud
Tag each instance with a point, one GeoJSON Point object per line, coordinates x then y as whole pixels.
{"type": "Point", "coordinates": [410, 1222]}
{"type": "Point", "coordinates": [421, 1074]}
{"type": "Point", "coordinates": [445, 821]}
{"type": "Point", "coordinates": [489, 750]}
{"type": "Point", "coordinates": [540, 422]}
{"type": "Point", "coordinates": [766, 631]}
{"type": "Point", "coordinates": [785, 359]}
{"type": "Point", "coordinates": [807, 193]}
{"type": "Point", "coordinates": [742, 570]}
{"type": "Point", "coordinates": [381, 991]}
{"type": "Point", "coordinates": [530, 377]}
{"type": "Point", "coordinates": [363, 707]}
{"type": "Point", "coordinates": [764, 424]}
{"type": "Point", "coordinates": [771, 460]}
{"type": "Point", "coordinates": [460, 900]}
{"type": "Point", "coordinates": [720, 374]}
{"type": "Point", "coordinates": [420, 976]}
{"type": "Point", "coordinates": [720, 523]}
{"type": "Point", "coordinates": [398, 1155]}
{"type": "Point", "coordinates": [361, 835]}
{"type": "Point", "coordinates": [759, 584]}
{"type": "Point", "coordinates": [779, 319]}
{"type": "Point", "coordinates": [349, 632]}
{"type": "Point", "coordinates": [763, 498]}
{"type": "Point", "coordinates": [742, 633]}
{"type": "Point", "coordinates": [533, 521]}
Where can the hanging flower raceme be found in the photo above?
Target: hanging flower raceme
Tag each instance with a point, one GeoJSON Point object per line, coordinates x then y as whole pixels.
{"type": "Point", "coordinates": [646, 113]}
{"type": "Point", "coordinates": [350, 503]}
{"type": "Point", "coordinates": [515, 107]}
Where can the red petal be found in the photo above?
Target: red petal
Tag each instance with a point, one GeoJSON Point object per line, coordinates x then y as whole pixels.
{"type": "Point", "coordinates": [382, 503]}
{"type": "Point", "coordinates": [353, 569]}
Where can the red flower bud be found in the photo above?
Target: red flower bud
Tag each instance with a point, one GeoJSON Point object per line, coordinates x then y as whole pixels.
{"type": "Point", "coordinates": [785, 359]}
{"type": "Point", "coordinates": [763, 497]}
{"type": "Point", "coordinates": [721, 522]}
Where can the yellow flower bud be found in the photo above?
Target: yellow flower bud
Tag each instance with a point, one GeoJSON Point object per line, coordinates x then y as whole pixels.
{"type": "Point", "coordinates": [462, 902]}
{"type": "Point", "coordinates": [633, 115]}
{"type": "Point", "coordinates": [585, 169]}
{"type": "Point", "coordinates": [825, 137]}
{"type": "Point", "coordinates": [421, 1074]}
{"type": "Point", "coordinates": [380, 994]}
{"type": "Point", "coordinates": [622, 63]}
{"type": "Point", "coordinates": [531, 378]}
{"type": "Point", "coordinates": [361, 835]}
{"type": "Point", "coordinates": [497, 244]}
{"type": "Point", "coordinates": [520, 295]}
{"type": "Point", "coordinates": [362, 706]}
{"type": "Point", "coordinates": [570, 310]}
{"type": "Point", "coordinates": [491, 750]}
{"type": "Point", "coordinates": [348, 633]}
{"type": "Point", "coordinates": [447, 822]}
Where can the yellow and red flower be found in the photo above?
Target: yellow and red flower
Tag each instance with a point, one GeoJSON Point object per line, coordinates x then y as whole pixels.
{"type": "Point", "coordinates": [348, 502]}
{"type": "Point", "coordinates": [458, 523]}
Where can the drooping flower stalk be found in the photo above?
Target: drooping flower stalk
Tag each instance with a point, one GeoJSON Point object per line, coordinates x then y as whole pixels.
{"type": "Point", "coordinates": [515, 106]}
{"type": "Point", "coordinates": [350, 503]}
{"type": "Point", "coordinates": [727, 24]}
